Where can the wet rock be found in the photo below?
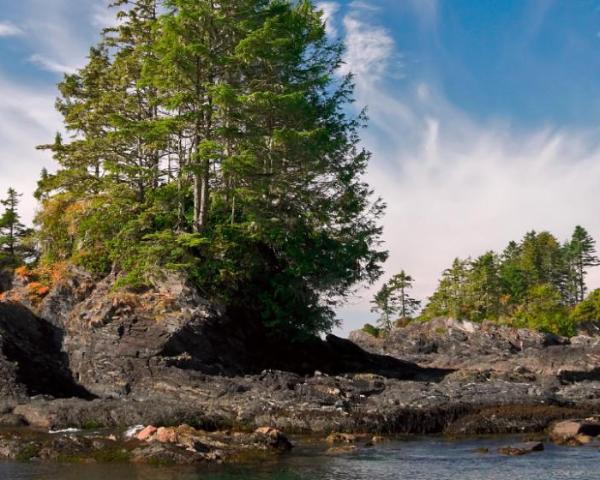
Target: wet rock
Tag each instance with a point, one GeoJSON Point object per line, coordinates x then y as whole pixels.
{"type": "Point", "coordinates": [342, 438]}
{"type": "Point", "coordinates": [573, 431]}
{"type": "Point", "coordinates": [273, 438]}
{"type": "Point", "coordinates": [522, 448]}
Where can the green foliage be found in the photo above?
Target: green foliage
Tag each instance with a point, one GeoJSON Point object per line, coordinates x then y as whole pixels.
{"type": "Point", "coordinates": [588, 310]}
{"type": "Point", "coordinates": [216, 139]}
{"type": "Point", "coordinates": [544, 311]}
{"type": "Point", "coordinates": [534, 283]}
{"type": "Point", "coordinates": [16, 246]}
{"type": "Point", "coordinates": [372, 330]}
{"type": "Point", "coordinates": [393, 299]}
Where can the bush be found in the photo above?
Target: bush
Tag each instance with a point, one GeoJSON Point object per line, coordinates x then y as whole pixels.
{"type": "Point", "coordinates": [588, 310]}
{"type": "Point", "coordinates": [372, 330]}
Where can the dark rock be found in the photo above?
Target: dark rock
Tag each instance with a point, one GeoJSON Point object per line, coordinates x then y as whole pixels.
{"type": "Point", "coordinates": [6, 279]}
{"type": "Point", "coordinates": [12, 420]}
{"type": "Point", "coordinates": [31, 360]}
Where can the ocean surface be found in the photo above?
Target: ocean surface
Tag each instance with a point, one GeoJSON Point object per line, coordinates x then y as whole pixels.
{"type": "Point", "coordinates": [428, 459]}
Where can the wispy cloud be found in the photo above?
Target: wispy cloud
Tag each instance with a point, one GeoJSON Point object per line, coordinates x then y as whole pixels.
{"type": "Point", "coordinates": [27, 118]}
{"type": "Point", "coordinates": [51, 65]}
{"type": "Point", "coordinates": [370, 49]}
{"type": "Point", "coordinates": [9, 29]}
{"type": "Point", "coordinates": [330, 9]}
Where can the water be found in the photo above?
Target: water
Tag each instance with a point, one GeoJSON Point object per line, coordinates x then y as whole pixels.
{"type": "Point", "coordinates": [413, 460]}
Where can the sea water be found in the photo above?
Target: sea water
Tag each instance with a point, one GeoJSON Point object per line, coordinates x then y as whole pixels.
{"type": "Point", "coordinates": [428, 459]}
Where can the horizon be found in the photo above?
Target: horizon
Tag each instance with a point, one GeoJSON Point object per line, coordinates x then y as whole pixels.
{"type": "Point", "coordinates": [482, 118]}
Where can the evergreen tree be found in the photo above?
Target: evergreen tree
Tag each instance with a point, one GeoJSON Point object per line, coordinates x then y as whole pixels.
{"type": "Point", "coordinates": [214, 137]}
{"type": "Point", "coordinates": [485, 287]}
{"type": "Point", "coordinates": [12, 231]}
{"type": "Point", "coordinates": [385, 303]}
{"type": "Point", "coordinates": [581, 255]}
{"type": "Point", "coordinates": [401, 284]}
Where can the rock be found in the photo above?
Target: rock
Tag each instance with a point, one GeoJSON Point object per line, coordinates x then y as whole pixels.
{"type": "Point", "coordinates": [522, 448]}
{"type": "Point", "coordinates": [274, 438]}
{"type": "Point", "coordinates": [6, 278]}
{"type": "Point", "coordinates": [146, 433]}
{"type": "Point", "coordinates": [584, 439]}
{"type": "Point", "coordinates": [165, 435]}
{"type": "Point", "coordinates": [342, 438]}
{"type": "Point", "coordinates": [12, 420]}
{"type": "Point", "coordinates": [564, 432]}
{"type": "Point", "coordinates": [377, 439]}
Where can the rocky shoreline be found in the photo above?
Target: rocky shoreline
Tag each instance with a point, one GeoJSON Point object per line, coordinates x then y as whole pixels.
{"type": "Point", "coordinates": [90, 357]}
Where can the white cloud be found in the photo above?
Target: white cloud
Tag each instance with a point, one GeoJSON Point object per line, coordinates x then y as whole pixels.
{"type": "Point", "coordinates": [370, 49]}
{"type": "Point", "coordinates": [457, 187]}
{"type": "Point", "coordinates": [51, 65]}
{"type": "Point", "coordinates": [27, 118]}
{"type": "Point", "coordinates": [330, 9]}
{"type": "Point", "coordinates": [8, 29]}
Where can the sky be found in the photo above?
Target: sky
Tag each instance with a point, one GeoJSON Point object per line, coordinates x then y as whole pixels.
{"type": "Point", "coordinates": [484, 117]}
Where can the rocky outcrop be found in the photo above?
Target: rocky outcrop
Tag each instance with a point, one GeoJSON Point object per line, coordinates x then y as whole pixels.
{"type": "Point", "coordinates": [92, 355]}
{"type": "Point", "coordinates": [490, 350]}
{"type": "Point", "coordinates": [31, 360]}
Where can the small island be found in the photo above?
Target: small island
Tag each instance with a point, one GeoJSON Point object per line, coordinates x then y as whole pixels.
{"type": "Point", "coordinates": [173, 302]}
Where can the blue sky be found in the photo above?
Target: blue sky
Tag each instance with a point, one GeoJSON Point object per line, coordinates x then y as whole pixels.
{"type": "Point", "coordinates": [484, 115]}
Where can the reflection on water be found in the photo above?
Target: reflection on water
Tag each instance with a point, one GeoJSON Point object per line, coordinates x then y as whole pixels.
{"type": "Point", "coordinates": [414, 460]}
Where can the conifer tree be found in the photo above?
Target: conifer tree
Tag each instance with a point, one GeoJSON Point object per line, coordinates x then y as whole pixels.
{"type": "Point", "coordinates": [385, 303]}
{"type": "Point", "coordinates": [401, 284]}
{"type": "Point", "coordinates": [393, 300]}
{"type": "Point", "coordinates": [12, 231]}
{"type": "Point", "coordinates": [215, 138]}
{"type": "Point", "coordinates": [581, 253]}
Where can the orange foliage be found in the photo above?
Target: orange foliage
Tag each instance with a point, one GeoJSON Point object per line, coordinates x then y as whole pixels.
{"type": "Point", "coordinates": [37, 289]}
{"type": "Point", "coordinates": [23, 273]}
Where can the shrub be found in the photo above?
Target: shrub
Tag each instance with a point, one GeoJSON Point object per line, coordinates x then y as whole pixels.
{"type": "Point", "coordinates": [588, 310]}
{"type": "Point", "coordinates": [371, 330]}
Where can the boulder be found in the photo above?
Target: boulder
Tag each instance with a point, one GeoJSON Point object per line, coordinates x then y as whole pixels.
{"type": "Point", "coordinates": [146, 433]}
{"type": "Point", "coordinates": [572, 431]}
{"type": "Point", "coordinates": [165, 435]}
{"type": "Point", "coordinates": [273, 438]}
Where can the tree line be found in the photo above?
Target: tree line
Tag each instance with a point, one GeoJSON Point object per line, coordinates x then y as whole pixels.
{"type": "Point", "coordinates": [538, 283]}
{"type": "Point", "coordinates": [216, 138]}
